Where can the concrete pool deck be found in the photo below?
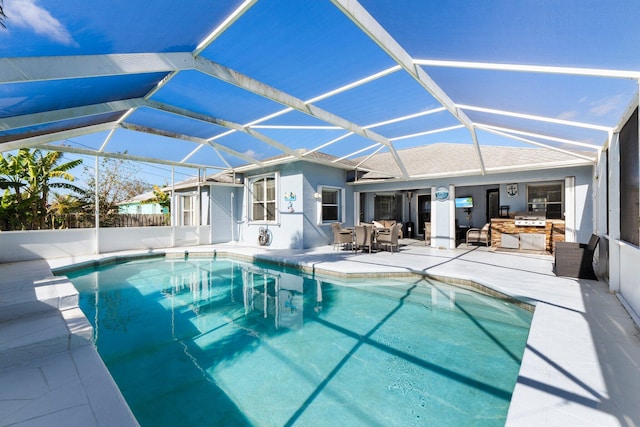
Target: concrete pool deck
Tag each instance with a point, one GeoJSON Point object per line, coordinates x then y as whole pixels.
{"type": "Point", "coordinates": [581, 366]}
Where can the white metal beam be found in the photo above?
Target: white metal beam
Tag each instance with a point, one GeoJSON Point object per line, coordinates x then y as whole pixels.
{"type": "Point", "coordinates": [30, 69]}
{"type": "Point", "coordinates": [573, 71]}
{"type": "Point", "coordinates": [538, 144]}
{"type": "Point", "coordinates": [228, 22]}
{"type": "Point", "coordinates": [45, 117]}
{"type": "Point", "coordinates": [535, 118]}
{"type": "Point", "coordinates": [362, 150]}
{"type": "Point", "coordinates": [404, 118]}
{"type": "Point", "coordinates": [537, 135]}
{"type": "Point", "coordinates": [237, 79]}
{"type": "Point", "coordinates": [355, 84]}
{"type": "Point", "coordinates": [427, 132]}
{"type": "Point", "coordinates": [224, 123]}
{"type": "Point", "coordinates": [126, 156]}
{"type": "Point", "coordinates": [35, 141]}
{"type": "Point", "coordinates": [188, 138]}
{"type": "Point", "coordinates": [323, 96]}
{"type": "Point", "coordinates": [361, 17]}
{"type": "Point", "coordinates": [326, 144]}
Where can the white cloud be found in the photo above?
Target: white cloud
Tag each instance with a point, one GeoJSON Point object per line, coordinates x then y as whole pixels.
{"type": "Point", "coordinates": [604, 106]}
{"type": "Point", "coordinates": [568, 115]}
{"type": "Point", "coordinates": [28, 14]}
{"type": "Point", "coordinates": [250, 153]}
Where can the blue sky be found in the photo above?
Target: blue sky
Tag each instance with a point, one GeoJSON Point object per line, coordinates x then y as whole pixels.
{"type": "Point", "coordinates": [309, 47]}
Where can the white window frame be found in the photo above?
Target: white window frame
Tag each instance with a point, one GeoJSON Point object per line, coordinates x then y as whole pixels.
{"type": "Point", "coordinates": [249, 191]}
{"type": "Point", "coordinates": [193, 211]}
{"type": "Point", "coordinates": [341, 204]}
{"type": "Point", "coordinates": [547, 203]}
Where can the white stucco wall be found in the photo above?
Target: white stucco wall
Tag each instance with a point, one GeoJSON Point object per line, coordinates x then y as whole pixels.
{"type": "Point", "coordinates": [225, 213]}
{"type": "Point", "coordinates": [629, 268]}
{"type": "Point", "coordinates": [40, 244]}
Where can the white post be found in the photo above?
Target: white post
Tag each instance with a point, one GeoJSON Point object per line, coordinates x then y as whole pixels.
{"type": "Point", "coordinates": [97, 204]}
{"type": "Point", "coordinates": [614, 213]}
{"type": "Point", "coordinates": [570, 208]}
{"type": "Point", "coordinates": [233, 220]}
{"type": "Point", "coordinates": [452, 217]}
{"type": "Point", "coordinates": [173, 207]}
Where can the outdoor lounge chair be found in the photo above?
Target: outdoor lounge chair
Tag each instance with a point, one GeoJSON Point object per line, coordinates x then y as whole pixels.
{"type": "Point", "coordinates": [427, 233]}
{"type": "Point", "coordinates": [389, 238]}
{"type": "Point", "coordinates": [479, 235]}
{"type": "Point", "coordinates": [576, 259]}
{"type": "Point", "coordinates": [341, 236]}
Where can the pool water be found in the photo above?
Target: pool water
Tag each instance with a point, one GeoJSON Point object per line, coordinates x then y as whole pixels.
{"type": "Point", "coordinates": [226, 343]}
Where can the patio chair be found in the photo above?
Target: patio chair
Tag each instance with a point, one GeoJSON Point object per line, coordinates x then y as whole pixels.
{"type": "Point", "coordinates": [389, 238]}
{"type": "Point", "coordinates": [427, 233]}
{"type": "Point", "coordinates": [479, 235]}
{"type": "Point", "coordinates": [341, 236]}
{"type": "Point", "coordinates": [574, 259]}
{"type": "Point", "coordinates": [363, 237]}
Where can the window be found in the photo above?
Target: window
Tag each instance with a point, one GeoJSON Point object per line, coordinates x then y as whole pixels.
{"type": "Point", "coordinates": [187, 204]}
{"type": "Point", "coordinates": [263, 198]}
{"type": "Point", "coordinates": [545, 198]}
{"type": "Point", "coordinates": [386, 206]}
{"type": "Point", "coordinates": [331, 204]}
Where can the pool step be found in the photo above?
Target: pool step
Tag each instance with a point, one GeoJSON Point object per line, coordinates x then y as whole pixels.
{"type": "Point", "coordinates": [42, 322]}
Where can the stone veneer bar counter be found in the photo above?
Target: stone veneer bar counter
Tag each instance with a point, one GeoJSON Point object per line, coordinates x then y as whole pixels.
{"type": "Point", "coordinates": [554, 231]}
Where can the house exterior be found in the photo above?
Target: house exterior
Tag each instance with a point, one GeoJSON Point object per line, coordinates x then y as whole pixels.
{"type": "Point", "coordinates": [296, 200]}
{"type": "Point", "coordinates": [141, 204]}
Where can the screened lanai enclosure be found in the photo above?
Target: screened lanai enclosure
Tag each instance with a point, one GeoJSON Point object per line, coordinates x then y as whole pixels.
{"type": "Point", "coordinates": [233, 84]}
{"type": "Point", "coordinates": [356, 99]}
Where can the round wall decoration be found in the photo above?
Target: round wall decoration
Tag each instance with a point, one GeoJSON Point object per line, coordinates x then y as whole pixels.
{"type": "Point", "coordinates": [442, 193]}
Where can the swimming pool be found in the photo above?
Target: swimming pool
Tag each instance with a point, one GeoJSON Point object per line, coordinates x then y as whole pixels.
{"type": "Point", "coordinates": [222, 342]}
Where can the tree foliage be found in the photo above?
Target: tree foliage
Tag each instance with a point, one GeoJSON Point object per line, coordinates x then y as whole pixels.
{"type": "Point", "coordinates": [28, 178]}
{"type": "Point", "coordinates": [118, 181]}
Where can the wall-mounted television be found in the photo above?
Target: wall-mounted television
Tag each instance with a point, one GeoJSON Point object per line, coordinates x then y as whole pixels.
{"type": "Point", "coordinates": [464, 202]}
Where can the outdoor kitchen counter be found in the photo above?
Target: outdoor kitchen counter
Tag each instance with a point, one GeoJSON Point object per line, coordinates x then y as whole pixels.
{"type": "Point", "coordinates": [515, 235]}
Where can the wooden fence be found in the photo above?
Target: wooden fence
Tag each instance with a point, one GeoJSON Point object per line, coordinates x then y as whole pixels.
{"type": "Point", "coordinates": [76, 220]}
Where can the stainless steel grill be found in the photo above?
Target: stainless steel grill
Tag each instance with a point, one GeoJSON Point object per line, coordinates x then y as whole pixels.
{"type": "Point", "coordinates": [530, 219]}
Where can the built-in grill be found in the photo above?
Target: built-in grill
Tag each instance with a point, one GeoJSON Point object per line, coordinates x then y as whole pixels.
{"type": "Point", "coordinates": [530, 219]}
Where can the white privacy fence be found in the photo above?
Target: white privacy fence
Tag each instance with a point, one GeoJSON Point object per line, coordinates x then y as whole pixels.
{"type": "Point", "coordinates": [41, 244]}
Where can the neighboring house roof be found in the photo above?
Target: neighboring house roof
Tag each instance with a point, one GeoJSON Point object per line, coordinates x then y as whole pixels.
{"type": "Point", "coordinates": [222, 177]}
{"type": "Point", "coordinates": [140, 198]}
{"type": "Point", "coordinates": [448, 159]}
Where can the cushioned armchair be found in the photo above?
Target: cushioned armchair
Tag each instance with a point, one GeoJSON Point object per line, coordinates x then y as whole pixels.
{"type": "Point", "coordinates": [389, 238]}
{"type": "Point", "coordinates": [341, 236]}
{"type": "Point", "coordinates": [363, 237]}
{"type": "Point", "coordinates": [576, 259]}
{"type": "Point", "coordinates": [387, 223]}
{"type": "Point", "coordinates": [479, 235]}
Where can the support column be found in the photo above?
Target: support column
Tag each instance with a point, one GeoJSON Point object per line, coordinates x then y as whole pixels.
{"type": "Point", "coordinates": [614, 214]}
{"type": "Point", "coordinates": [97, 205]}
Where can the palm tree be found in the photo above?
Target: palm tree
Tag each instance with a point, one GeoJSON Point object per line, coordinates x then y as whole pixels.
{"type": "Point", "coordinates": [61, 206]}
{"type": "Point", "coordinates": [14, 205]}
{"type": "Point", "coordinates": [3, 17]}
{"type": "Point", "coordinates": [27, 179]}
{"type": "Point", "coordinates": [42, 169]}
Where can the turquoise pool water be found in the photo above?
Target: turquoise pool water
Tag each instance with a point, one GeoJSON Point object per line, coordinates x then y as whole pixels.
{"type": "Point", "coordinates": [221, 342]}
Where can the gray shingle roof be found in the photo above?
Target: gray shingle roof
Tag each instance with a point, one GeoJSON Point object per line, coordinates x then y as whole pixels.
{"type": "Point", "coordinates": [448, 159]}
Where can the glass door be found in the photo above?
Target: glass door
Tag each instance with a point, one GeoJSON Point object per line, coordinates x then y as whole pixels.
{"type": "Point", "coordinates": [424, 211]}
